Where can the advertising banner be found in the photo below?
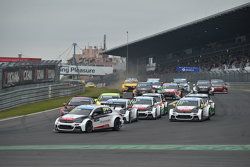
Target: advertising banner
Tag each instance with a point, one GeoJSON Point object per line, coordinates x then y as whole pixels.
{"type": "Point", "coordinates": [85, 70]}
{"type": "Point", "coordinates": [188, 69]}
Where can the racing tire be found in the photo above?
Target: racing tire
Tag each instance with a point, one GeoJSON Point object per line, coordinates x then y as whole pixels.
{"type": "Point", "coordinates": [89, 127]}
{"type": "Point", "coordinates": [117, 124]}
{"type": "Point", "coordinates": [202, 117]}
{"type": "Point", "coordinates": [136, 119]}
{"type": "Point", "coordinates": [129, 118]}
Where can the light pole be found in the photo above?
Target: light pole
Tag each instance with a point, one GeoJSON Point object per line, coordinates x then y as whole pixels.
{"type": "Point", "coordinates": [127, 57]}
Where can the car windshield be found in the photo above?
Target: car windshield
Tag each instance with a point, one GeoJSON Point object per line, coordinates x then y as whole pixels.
{"type": "Point", "coordinates": [80, 111]}
{"type": "Point", "coordinates": [157, 84]}
{"type": "Point", "coordinates": [143, 101]}
{"type": "Point", "coordinates": [165, 86]}
{"type": "Point", "coordinates": [180, 81]}
{"type": "Point", "coordinates": [217, 82]}
{"type": "Point", "coordinates": [105, 98]}
{"type": "Point", "coordinates": [187, 103]}
{"type": "Point", "coordinates": [205, 98]}
{"type": "Point", "coordinates": [131, 81]}
{"type": "Point", "coordinates": [117, 104]}
{"type": "Point", "coordinates": [144, 85]}
{"type": "Point", "coordinates": [157, 98]}
{"type": "Point", "coordinates": [204, 83]}
{"type": "Point", "coordinates": [78, 101]}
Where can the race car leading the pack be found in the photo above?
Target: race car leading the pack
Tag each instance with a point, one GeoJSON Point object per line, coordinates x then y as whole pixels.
{"type": "Point", "coordinates": [189, 108]}
{"type": "Point", "coordinates": [159, 101]}
{"type": "Point", "coordinates": [86, 118]}
{"type": "Point", "coordinates": [219, 86]}
{"type": "Point", "coordinates": [147, 107]}
{"type": "Point", "coordinates": [124, 107]}
{"type": "Point", "coordinates": [207, 99]}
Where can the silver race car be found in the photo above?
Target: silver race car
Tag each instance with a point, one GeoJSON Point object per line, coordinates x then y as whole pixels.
{"type": "Point", "coordinates": [208, 100]}
{"type": "Point", "coordinates": [124, 107]}
{"type": "Point", "coordinates": [160, 100]}
{"type": "Point", "coordinates": [189, 108]}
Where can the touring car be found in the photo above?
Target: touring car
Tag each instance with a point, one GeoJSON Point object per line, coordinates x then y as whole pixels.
{"type": "Point", "coordinates": [147, 107]}
{"type": "Point", "coordinates": [171, 90]}
{"type": "Point", "coordinates": [106, 96]}
{"type": "Point", "coordinates": [183, 83]}
{"type": "Point", "coordinates": [159, 101]}
{"type": "Point", "coordinates": [188, 108]}
{"type": "Point", "coordinates": [207, 99]}
{"type": "Point", "coordinates": [86, 118]}
{"type": "Point", "coordinates": [124, 107]}
{"type": "Point", "coordinates": [129, 84]}
{"type": "Point", "coordinates": [219, 86]}
{"type": "Point", "coordinates": [74, 102]}
{"type": "Point", "coordinates": [143, 87]}
{"type": "Point", "coordinates": [203, 86]}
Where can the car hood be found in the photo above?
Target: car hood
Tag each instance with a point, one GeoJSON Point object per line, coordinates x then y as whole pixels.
{"type": "Point", "coordinates": [140, 106]}
{"type": "Point", "coordinates": [72, 116]}
{"type": "Point", "coordinates": [185, 108]}
{"type": "Point", "coordinates": [169, 90]}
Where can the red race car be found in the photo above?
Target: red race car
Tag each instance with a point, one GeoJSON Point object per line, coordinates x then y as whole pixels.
{"type": "Point", "coordinates": [219, 86]}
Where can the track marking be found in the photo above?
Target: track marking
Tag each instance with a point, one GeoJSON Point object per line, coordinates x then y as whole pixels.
{"type": "Point", "coordinates": [162, 147]}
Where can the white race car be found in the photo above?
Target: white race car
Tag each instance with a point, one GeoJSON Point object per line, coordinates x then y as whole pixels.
{"type": "Point", "coordinates": [86, 118]}
{"type": "Point", "coordinates": [124, 107]}
{"type": "Point", "coordinates": [159, 101]}
{"type": "Point", "coordinates": [147, 107]}
{"type": "Point", "coordinates": [207, 99]}
{"type": "Point", "coordinates": [188, 108]}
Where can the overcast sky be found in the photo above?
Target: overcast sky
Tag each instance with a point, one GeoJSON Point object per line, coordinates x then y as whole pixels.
{"type": "Point", "coordinates": [45, 28]}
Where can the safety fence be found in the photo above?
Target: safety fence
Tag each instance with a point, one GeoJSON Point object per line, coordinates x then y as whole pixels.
{"type": "Point", "coordinates": [23, 96]}
{"type": "Point", "coordinates": [227, 76]}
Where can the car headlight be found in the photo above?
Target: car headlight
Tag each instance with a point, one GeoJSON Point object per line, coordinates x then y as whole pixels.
{"type": "Point", "coordinates": [195, 110]}
{"type": "Point", "coordinates": [78, 120]}
{"type": "Point", "coordinates": [150, 108]}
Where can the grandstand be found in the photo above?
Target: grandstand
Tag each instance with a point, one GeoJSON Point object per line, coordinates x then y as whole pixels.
{"type": "Point", "coordinates": [215, 43]}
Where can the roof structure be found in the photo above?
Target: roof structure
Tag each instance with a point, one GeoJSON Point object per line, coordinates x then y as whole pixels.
{"type": "Point", "coordinates": [224, 25]}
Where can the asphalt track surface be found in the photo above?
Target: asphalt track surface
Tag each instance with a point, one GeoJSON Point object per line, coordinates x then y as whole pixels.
{"type": "Point", "coordinates": [222, 141]}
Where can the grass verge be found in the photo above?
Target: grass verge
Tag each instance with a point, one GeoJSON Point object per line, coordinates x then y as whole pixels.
{"type": "Point", "coordinates": [51, 103]}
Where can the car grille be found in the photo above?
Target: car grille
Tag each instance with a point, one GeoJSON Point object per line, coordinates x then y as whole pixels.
{"type": "Point", "coordinates": [184, 116]}
{"type": "Point", "coordinates": [142, 115]}
{"type": "Point", "coordinates": [65, 127]}
{"type": "Point", "coordinates": [66, 121]}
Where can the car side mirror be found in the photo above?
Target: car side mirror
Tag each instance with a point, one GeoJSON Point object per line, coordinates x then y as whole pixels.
{"type": "Point", "coordinates": [210, 101]}
{"type": "Point", "coordinates": [65, 104]}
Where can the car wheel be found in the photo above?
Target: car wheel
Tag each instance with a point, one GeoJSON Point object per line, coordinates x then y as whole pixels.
{"type": "Point", "coordinates": [89, 127]}
{"type": "Point", "coordinates": [136, 119]}
{"type": "Point", "coordinates": [129, 118]}
{"type": "Point", "coordinates": [202, 117]}
{"type": "Point", "coordinates": [117, 124]}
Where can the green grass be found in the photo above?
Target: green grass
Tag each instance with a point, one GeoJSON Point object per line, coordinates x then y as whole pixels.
{"type": "Point", "coordinates": [51, 103]}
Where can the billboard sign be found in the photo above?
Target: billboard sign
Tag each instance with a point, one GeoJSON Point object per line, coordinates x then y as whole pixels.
{"type": "Point", "coordinates": [188, 69]}
{"type": "Point", "coordinates": [85, 70]}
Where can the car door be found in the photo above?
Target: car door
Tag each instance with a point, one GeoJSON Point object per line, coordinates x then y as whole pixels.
{"type": "Point", "coordinates": [98, 118]}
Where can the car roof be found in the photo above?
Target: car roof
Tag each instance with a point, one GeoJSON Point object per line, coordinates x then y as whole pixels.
{"type": "Point", "coordinates": [175, 84]}
{"type": "Point", "coordinates": [110, 94]}
{"type": "Point", "coordinates": [87, 107]}
{"type": "Point", "coordinates": [151, 94]}
{"type": "Point", "coordinates": [82, 97]}
{"type": "Point", "coordinates": [196, 95]}
{"type": "Point", "coordinates": [117, 100]}
{"type": "Point", "coordinates": [143, 97]}
{"type": "Point", "coordinates": [191, 98]}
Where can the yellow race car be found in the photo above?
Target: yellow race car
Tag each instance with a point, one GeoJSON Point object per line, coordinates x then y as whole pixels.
{"type": "Point", "coordinates": [129, 85]}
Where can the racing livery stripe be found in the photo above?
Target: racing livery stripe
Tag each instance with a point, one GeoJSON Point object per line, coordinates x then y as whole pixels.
{"type": "Point", "coordinates": [102, 126]}
{"type": "Point", "coordinates": [130, 147]}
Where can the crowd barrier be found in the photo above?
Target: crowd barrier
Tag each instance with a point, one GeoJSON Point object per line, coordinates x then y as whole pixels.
{"type": "Point", "coordinates": [27, 95]}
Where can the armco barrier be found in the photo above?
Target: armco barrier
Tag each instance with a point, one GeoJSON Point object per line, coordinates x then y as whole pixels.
{"type": "Point", "coordinates": [23, 96]}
